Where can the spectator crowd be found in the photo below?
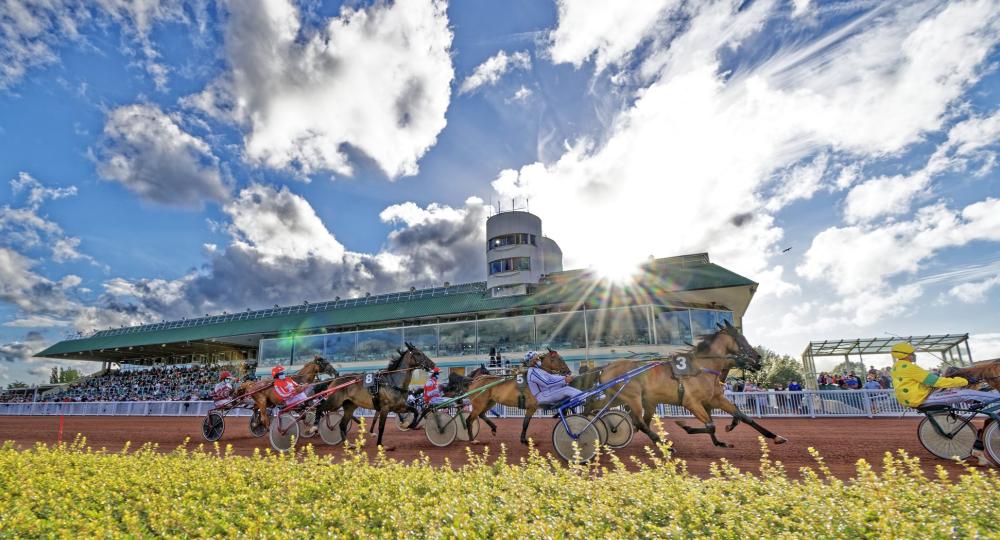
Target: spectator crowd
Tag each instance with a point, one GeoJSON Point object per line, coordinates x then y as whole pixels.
{"type": "Point", "coordinates": [158, 384]}
{"type": "Point", "coordinates": [874, 380]}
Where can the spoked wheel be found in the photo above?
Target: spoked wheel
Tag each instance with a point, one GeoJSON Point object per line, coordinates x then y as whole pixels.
{"type": "Point", "coordinates": [441, 428]}
{"type": "Point", "coordinates": [329, 428]}
{"type": "Point", "coordinates": [463, 433]}
{"type": "Point", "coordinates": [620, 430]}
{"type": "Point", "coordinates": [306, 422]}
{"type": "Point", "coordinates": [257, 427]}
{"type": "Point", "coordinates": [403, 420]}
{"type": "Point", "coordinates": [284, 431]}
{"type": "Point", "coordinates": [213, 427]}
{"type": "Point", "coordinates": [991, 440]}
{"type": "Point", "coordinates": [958, 446]}
{"type": "Point", "coordinates": [602, 430]}
{"type": "Point", "coordinates": [587, 438]}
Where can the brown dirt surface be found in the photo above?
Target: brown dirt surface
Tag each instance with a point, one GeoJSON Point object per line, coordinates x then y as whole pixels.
{"type": "Point", "coordinates": [841, 442]}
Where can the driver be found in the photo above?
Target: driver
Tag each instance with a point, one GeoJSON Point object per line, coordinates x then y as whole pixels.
{"type": "Point", "coordinates": [286, 388]}
{"type": "Point", "coordinates": [432, 390]}
{"type": "Point", "coordinates": [916, 387]}
{"type": "Point", "coordinates": [224, 388]}
{"type": "Point", "coordinates": [547, 387]}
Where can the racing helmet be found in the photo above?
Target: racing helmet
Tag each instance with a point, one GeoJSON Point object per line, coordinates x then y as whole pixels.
{"type": "Point", "coordinates": [225, 375]}
{"type": "Point", "coordinates": [902, 350]}
{"type": "Point", "coordinates": [277, 370]}
{"type": "Point", "coordinates": [529, 356]}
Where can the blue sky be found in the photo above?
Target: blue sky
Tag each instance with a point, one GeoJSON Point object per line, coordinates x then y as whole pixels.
{"type": "Point", "coordinates": [169, 158]}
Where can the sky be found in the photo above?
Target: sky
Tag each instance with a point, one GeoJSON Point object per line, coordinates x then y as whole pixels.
{"type": "Point", "coordinates": [164, 159]}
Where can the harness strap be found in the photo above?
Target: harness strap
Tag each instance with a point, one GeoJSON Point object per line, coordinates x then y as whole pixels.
{"type": "Point", "coordinates": [712, 371]}
{"type": "Point", "coordinates": [680, 392]}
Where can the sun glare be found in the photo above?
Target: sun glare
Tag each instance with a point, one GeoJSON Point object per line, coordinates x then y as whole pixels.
{"type": "Point", "coordinates": [616, 269]}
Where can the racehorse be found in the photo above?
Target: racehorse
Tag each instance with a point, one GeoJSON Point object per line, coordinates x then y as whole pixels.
{"type": "Point", "coordinates": [458, 384]}
{"type": "Point", "coordinates": [393, 383]}
{"type": "Point", "coordinates": [987, 371]}
{"type": "Point", "coordinates": [267, 398]}
{"type": "Point", "coordinates": [510, 393]}
{"type": "Point", "coordinates": [702, 391]}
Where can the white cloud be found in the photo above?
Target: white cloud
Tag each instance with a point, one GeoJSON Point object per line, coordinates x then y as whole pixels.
{"type": "Point", "coordinates": [885, 195]}
{"type": "Point", "coordinates": [706, 156]}
{"type": "Point", "coordinates": [521, 95]}
{"type": "Point", "coordinates": [22, 350]}
{"type": "Point", "coordinates": [37, 193]}
{"type": "Point", "coordinates": [604, 31]}
{"type": "Point", "coordinates": [36, 321]}
{"type": "Point", "coordinates": [148, 152]}
{"type": "Point", "coordinates": [33, 32]}
{"type": "Point", "coordinates": [375, 80]}
{"type": "Point", "coordinates": [974, 292]}
{"type": "Point", "coordinates": [490, 71]}
{"type": "Point", "coordinates": [985, 346]}
{"type": "Point", "coordinates": [280, 224]}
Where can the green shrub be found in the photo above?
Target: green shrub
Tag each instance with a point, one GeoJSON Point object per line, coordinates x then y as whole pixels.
{"type": "Point", "coordinates": [73, 491]}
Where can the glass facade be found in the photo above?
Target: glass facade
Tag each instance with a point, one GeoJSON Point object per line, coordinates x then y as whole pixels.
{"type": "Point", "coordinates": [619, 327]}
{"type": "Point", "coordinates": [340, 347]}
{"type": "Point", "coordinates": [673, 327]}
{"type": "Point", "coordinates": [379, 344]}
{"type": "Point", "coordinates": [510, 264]}
{"type": "Point", "coordinates": [306, 347]}
{"type": "Point", "coordinates": [597, 329]}
{"type": "Point", "coordinates": [510, 240]}
{"type": "Point", "coordinates": [457, 339]}
{"type": "Point", "coordinates": [508, 334]}
{"type": "Point", "coordinates": [561, 330]}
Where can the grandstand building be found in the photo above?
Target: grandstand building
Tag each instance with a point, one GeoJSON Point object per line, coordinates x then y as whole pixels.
{"type": "Point", "coordinates": [527, 302]}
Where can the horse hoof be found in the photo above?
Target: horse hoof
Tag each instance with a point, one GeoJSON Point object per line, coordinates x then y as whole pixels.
{"type": "Point", "coordinates": [389, 448]}
{"type": "Point", "coordinates": [780, 440]}
{"type": "Point", "coordinates": [729, 445]}
{"type": "Point", "coordinates": [730, 428]}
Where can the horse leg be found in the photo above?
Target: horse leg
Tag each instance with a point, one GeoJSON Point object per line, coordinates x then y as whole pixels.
{"type": "Point", "coordinates": [528, 411]}
{"type": "Point", "coordinates": [703, 415]}
{"type": "Point", "coordinates": [493, 427]}
{"type": "Point", "coordinates": [732, 425]}
{"type": "Point", "coordinates": [382, 414]}
{"type": "Point", "coordinates": [345, 420]}
{"type": "Point", "coordinates": [721, 402]}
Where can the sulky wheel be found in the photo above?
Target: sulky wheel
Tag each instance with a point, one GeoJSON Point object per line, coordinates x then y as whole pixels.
{"type": "Point", "coordinates": [329, 428]}
{"type": "Point", "coordinates": [284, 432]}
{"type": "Point", "coordinates": [620, 430]}
{"type": "Point", "coordinates": [991, 440]}
{"type": "Point", "coordinates": [213, 427]}
{"type": "Point", "coordinates": [306, 422]}
{"type": "Point", "coordinates": [441, 428]}
{"type": "Point", "coordinates": [463, 433]}
{"type": "Point", "coordinates": [602, 430]}
{"type": "Point", "coordinates": [959, 445]}
{"type": "Point", "coordinates": [587, 439]}
{"type": "Point", "coordinates": [257, 427]}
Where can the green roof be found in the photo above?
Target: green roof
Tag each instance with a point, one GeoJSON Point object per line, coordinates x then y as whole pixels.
{"type": "Point", "coordinates": [657, 281]}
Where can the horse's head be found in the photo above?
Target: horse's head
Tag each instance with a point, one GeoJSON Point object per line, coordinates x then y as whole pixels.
{"type": "Point", "coordinates": [552, 362]}
{"type": "Point", "coordinates": [735, 343]}
{"type": "Point", "coordinates": [324, 366]}
{"type": "Point", "coordinates": [413, 357]}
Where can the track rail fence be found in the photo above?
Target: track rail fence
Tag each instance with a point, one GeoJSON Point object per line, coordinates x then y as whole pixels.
{"type": "Point", "coordinates": [804, 404]}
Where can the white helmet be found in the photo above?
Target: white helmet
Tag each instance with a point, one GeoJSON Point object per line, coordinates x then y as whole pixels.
{"type": "Point", "coordinates": [528, 356]}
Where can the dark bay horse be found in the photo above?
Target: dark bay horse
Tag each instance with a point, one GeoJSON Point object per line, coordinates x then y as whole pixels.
{"type": "Point", "coordinates": [508, 393]}
{"type": "Point", "coordinates": [702, 391]}
{"type": "Point", "coordinates": [267, 398]}
{"type": "Point", "coordinates": [393, 386]}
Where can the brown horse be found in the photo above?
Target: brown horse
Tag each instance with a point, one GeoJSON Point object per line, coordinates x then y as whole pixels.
{"type": "Point", "coordinates": [393, 384]}
{"type": "Point", "coordinates": [267, 398]}
{"type": "Point", "coordinates": [508, 393]}
{"type": "Point", "coordinates": [699, 393]}
{"type": "Point", "coordinates": [987, 371]}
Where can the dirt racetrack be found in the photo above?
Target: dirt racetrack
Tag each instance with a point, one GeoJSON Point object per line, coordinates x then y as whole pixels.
{"type": "Point", "coordinates": [840, 441]}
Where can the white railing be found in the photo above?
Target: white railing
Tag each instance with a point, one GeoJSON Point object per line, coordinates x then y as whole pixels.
{"type": "Point", "coordinates": [805, 404]}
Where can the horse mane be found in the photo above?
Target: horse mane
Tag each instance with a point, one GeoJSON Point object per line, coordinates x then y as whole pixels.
{"type": "Point", "coordinates": [395, 362]}
{"type": "Point", "coordinates": [705, 343]}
